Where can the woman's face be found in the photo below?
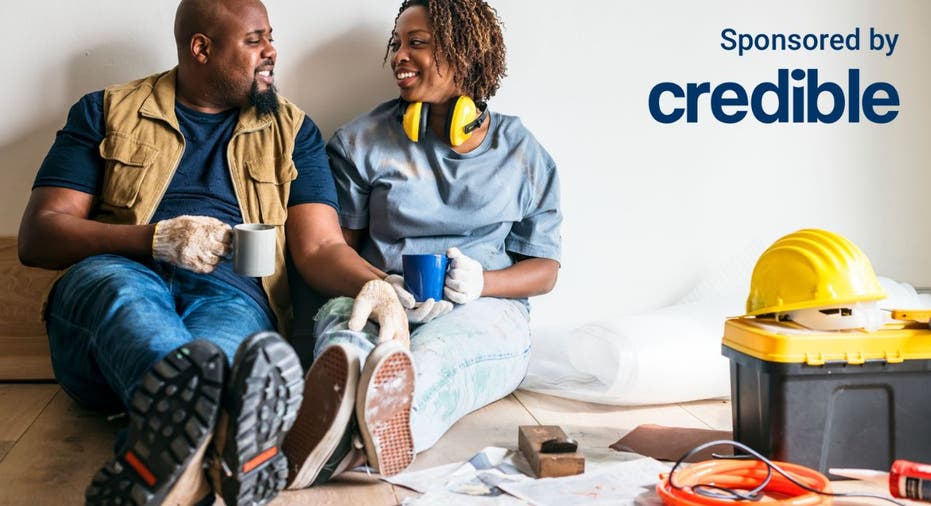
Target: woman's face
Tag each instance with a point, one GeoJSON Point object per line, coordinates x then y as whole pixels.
{"type": "Point", "coordinates": [420, 76]}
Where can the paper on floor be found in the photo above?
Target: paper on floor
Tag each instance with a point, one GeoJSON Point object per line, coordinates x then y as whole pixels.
{"type": "Point", "coordinates": [472, 482]}
{"type": "Point", "coordinates": [623, 483]}
{"type": "Point", "coordinates": [501, 477]}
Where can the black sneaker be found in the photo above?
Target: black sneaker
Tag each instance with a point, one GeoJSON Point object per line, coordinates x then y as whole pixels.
{"type": "Point", "coordinates": [349, 453]}
{"type": "Point", "coordinates": [321, 427]}
{"type": "Point", "coordinates": [173, 413]}
{"type": "Point", "coordinates": [261, 400]}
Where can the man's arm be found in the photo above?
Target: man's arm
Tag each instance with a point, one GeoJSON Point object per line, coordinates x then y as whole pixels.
{"type": "Point", "coordinates": [320, 252]}
{"type": "Point", "coordinates": [55, 231]}
{"type": "Point", "coordinates": [332, 267]}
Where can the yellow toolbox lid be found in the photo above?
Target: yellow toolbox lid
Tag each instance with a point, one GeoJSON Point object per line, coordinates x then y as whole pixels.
{"type": "Point", "coordinates": [786, 342]}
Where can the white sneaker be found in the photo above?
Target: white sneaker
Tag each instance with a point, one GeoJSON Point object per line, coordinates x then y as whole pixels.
{"type": "Point", "coordinates": [383, 408]}
{"type": "Point", "coordinates": [329, 396]}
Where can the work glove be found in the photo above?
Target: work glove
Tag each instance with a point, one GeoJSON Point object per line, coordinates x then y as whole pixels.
{"type": "Point", "coordinates": [465, 278]}
{"type": "Point", "coordinates": [196, 243]}
{"type": "Point", "coordinates": [377, 301]}
{"type": "Point", "coordinates": [417, 312]}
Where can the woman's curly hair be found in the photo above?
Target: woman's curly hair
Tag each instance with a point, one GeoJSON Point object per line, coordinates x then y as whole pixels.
{"type": "Point", "coordinates": [468, 38]}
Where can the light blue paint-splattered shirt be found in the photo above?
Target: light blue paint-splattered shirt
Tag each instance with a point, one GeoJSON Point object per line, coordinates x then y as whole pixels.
{"type": "Point", "coordinates": [500, 198]}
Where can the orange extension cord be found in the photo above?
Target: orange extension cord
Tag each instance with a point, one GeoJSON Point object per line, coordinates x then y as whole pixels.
{"type": "Point", "coordinates": [743, 475]}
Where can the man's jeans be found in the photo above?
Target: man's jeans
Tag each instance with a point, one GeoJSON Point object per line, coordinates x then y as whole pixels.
{"type": "Point", "coordinates": [466, 359]}
{"type": "Point", "coordinates": [110, 319]}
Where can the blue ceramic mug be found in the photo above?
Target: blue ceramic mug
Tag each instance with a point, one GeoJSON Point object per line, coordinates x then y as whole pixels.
{"type": "Point", "coordinates": [425, 275]}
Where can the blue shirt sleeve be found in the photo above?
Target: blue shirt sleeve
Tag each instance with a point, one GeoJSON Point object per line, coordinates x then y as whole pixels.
{"type": "Point", "coordinates": [314, 183]}
{"type": "Point", "coordinates": [354, 189]}
{"type": "Point", "coordinates": [537, 234]}
{"type": "Point", "coordinates": [74, 160]}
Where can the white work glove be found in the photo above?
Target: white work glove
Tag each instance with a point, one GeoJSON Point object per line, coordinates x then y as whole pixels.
{"type": "Point", "coordinates": [378, 302]}
{"type": "Point", "coordinates": [196, 243]}
{"type": "Point", "coordinates": [465, 278]}
{"type": "Point", "coordinates": [417, 312]}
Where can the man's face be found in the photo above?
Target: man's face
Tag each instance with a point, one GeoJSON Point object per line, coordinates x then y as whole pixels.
{"type": "Point", "coordinates": [419, 76]}
{"type": "Point", "coordinates": [242, 59]}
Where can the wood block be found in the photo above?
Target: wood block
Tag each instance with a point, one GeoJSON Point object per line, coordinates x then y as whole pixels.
{"type": "Point", "coordinates": [548, 465]}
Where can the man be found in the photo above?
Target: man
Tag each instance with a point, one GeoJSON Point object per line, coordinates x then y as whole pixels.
{"type": "Point", "coordinates": [136, 199]}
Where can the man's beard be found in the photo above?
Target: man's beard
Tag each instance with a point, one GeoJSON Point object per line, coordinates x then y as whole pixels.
{"type": "Point", "coordinates": [265, 102]}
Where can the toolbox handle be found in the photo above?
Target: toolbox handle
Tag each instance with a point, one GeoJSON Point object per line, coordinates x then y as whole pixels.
{"type": "Point", "coordinates": [816, 358]}
{"type": "Point", "coordinates": [911, 315]}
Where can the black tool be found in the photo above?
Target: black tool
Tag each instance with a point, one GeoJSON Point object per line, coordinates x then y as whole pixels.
{"type": "Point", "coordinates": [559, 445]}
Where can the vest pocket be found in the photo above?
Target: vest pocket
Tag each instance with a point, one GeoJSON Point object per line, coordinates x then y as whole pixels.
{"type": "Point", "coordinates": [271, 181]}
{"type": "Point", "coordinates": [127, 162]}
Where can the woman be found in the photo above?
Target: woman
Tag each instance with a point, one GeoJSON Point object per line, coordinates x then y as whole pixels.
{"type": "Point", "coordinates": [411, 179]}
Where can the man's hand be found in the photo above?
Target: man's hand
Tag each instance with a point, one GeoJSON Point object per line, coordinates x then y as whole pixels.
{"type": "Point", "coordinates": [417, 312]}
{"type": "Point", "coordinates": [196, 243]}
{"type": "Point", "coordinates": [465, 278]}
{"type": "Point", "coordinates": [378, 302]}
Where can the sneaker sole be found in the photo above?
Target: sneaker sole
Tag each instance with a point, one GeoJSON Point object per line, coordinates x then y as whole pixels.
{"type": "Point", "coordinates": [383, 409]}
{"type": "Point", "coordinates": [261, 402]}
{"type": "Point", "coordinates": [330, 391]}
{"type": "Point", "coordinates": [173, 412]}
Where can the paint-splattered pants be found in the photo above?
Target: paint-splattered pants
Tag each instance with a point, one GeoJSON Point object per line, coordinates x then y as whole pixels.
{"type": "Point", "coordinates": [466, 359]}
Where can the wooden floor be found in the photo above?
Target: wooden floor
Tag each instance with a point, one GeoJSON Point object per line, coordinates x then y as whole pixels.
{"type": "Point", "coordinates": [50, 447]}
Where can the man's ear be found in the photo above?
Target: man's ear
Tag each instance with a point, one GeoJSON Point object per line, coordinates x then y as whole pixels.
{"type": "Point", "coordinates": [200, 47]}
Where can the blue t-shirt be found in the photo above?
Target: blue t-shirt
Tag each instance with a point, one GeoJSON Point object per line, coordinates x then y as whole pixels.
{"type": "Point", "coordinates": [201, 185]}
{"type": "Point", "coordinates": [500, 198]}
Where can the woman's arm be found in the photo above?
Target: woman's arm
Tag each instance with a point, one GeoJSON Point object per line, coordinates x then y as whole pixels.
{"type": "Point", "coordinates": [526, 278]}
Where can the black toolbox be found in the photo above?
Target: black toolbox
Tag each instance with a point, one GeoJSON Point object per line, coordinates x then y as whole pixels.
{"type": "Point", "coordinates": [827, 399]}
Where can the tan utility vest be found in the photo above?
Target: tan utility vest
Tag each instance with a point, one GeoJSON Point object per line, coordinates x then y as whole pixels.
{"type": "Point", "coordinates": [143, 147]}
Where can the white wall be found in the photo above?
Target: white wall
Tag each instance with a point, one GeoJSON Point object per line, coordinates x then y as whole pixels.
{"type": "Point", "coordinates": [649, 207]}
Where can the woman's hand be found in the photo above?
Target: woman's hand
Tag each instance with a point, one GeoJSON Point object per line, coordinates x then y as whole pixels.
{"type": "Point", "coordinates": [421, 312]}
{"type": "Point", "coordinates": [465, 278]}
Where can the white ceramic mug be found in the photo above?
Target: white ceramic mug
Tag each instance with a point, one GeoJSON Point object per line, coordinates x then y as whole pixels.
{"type": "Point", "coordinates": [254, 249]}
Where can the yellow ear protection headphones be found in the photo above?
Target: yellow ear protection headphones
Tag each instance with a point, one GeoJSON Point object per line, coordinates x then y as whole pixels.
{"type": "Point", "coordinates": [464, 117]}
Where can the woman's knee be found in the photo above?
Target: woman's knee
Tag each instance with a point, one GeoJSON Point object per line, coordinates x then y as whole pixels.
{"type": "Point", "coordinates": [334, 317]}
{"type": "Point", "coordinates": [331, 326]}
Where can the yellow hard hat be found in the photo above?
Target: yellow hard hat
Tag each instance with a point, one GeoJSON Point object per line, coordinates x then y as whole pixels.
{"type": "Point", "coordinates": [810, 269]}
